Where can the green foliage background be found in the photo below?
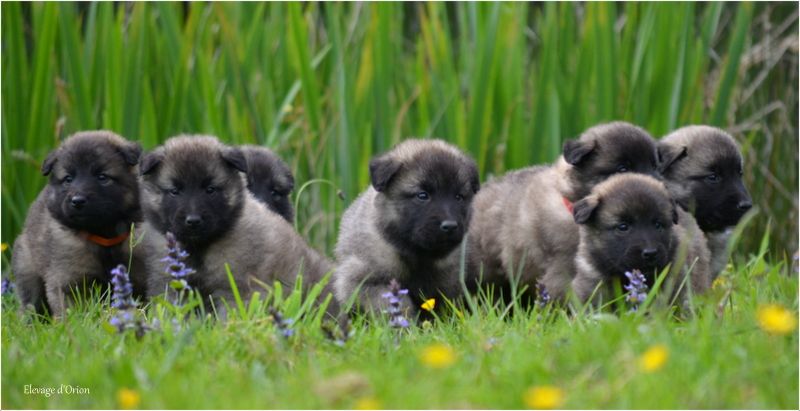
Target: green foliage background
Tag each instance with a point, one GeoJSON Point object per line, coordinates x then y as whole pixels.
{"type": "Point", "coordinates": [329, 85]}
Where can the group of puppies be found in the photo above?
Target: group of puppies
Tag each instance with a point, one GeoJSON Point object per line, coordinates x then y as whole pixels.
{"type": "Point", "coordinates": [615, 201]}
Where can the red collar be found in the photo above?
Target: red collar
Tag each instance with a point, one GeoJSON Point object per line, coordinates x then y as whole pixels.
{"type": "Point", "coordinates": [567, 204]}
{"type": "Point", "coordinates": [105, 242]}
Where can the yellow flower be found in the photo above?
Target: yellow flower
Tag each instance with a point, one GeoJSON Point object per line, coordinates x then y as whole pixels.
{"type": "Point", "coordinates": [775, 319]}
{"type": "Point", "coordinates": [543, 397]}
{"type": "Point", "coordinates": [3, 247]}
{"type": "Point", "coordinates": [367, 403]}
{"type": "Point", "coordinates": [654, 358]}
{"type": "Point", "coordinates": [721, 282]}
{"type": "Point", "coordinates": [429, 304]}
{"type": "Point", "coordinates": [128, 399]}
{"type": "Point", "coordinates": [438, 356]}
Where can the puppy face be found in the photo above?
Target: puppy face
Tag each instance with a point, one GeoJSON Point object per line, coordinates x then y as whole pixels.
{"type": "Point", "coordinates": [193, 188]}
{"type": "Point", "coordinates": [608, 149]}
{"type": "Point", "coordinates": [703, 170]}
{"type": "Point", "coordinates": [270, 180]}
{"type": "Point", "coordinates": [629, 225]}
{"type": "Point", "coordinates": [93, 181]}
{"type": "Point", "coordinates": [425, 196]}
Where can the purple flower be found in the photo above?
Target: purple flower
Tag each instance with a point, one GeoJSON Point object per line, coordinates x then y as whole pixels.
{"type": "Point", "coordinates": [7, 287]}
{"type": "Point", "coordinates": [176, 267]}
{"type": "Point", "coordinates": [396, 318]}
{"type": "Point", "coordinates": [636, 288]}
{"type": "Point", "coordinates": [542, 296]}
{"type": "Point", "coordinates": [283, 324]}
{"type": "Point", "coordinates": [122, 292]}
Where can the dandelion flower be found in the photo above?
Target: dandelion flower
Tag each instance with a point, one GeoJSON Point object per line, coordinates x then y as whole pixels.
{"type": "Point", "coordinates": [438, 356]}
{"type": "Point", "coordinates": [128, 399]}
{"type": "Point", "coordinates": [3, 247]}
{"type": "Point", "coordinates": [654, 358]}
{"type": "Point", "coordinates": [367, 403]}
{"type": "Point", "coordinates": [776, 319]}
{"type": "Point", "coordinates": [429, 304]}
{"type": "Point", "coordinates": [543, 397]}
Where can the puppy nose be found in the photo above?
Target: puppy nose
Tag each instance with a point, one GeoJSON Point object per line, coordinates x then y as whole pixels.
{"type": "Point", "coordinates": [193, 220]}
{"type": "Point", "coordinates": [448, 225]}
{"type": "Point", "coordinates": [649, 253]}
{"type": "Point", "coordinates": [77, 201]}
{"type": "Point", "coordinates": [744, 205]}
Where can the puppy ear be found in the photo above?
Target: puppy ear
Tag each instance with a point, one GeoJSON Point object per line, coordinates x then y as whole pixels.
{"type": "Point", "coordinates": [131, 152]}
{"type": "Point", "coordinates": [49, 162]}
{"type": "Point", "coordinates": [668, 155]}
{"type": "Point", "coordinates": [236, 158]}
{"type": "Point", "coordinates": [150, 161]}
{"type": "Point", "coordinates": [575, 150]}
{"type": "Point", "coordinates": [582, 210]}
{"type": "Point", "coordinates": [674, 212]}
{"type": "Point", "coordinates": [381, 171]}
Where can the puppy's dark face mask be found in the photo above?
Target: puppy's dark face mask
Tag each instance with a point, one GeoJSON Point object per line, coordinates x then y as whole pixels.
{"type": "Point", "coordinates": [614, 149]}
{"type": "Point", "coordinates": [201, 193]}
{"type": "Point", "coordinates": [93, 184]}
{"type": "Point", "coordinates": [627, 231]}
{"type": "Point", "coordinates": [715, 193]}
{"type": "Point", "coordinates": [426, 203]}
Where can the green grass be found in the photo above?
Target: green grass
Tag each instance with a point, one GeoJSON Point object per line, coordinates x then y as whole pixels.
{"type": "Point", "coordinates": [718, 359]}
{"type": "Point", "coordinates": [328, 86]}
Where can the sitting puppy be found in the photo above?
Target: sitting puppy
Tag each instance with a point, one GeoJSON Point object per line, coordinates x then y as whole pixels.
{"type": "Point", "coordinates": [270, 180]}
{"type": "Point", "coordinates": [77, 228]}
{"type": "Point", "coordinates": [629, 222]}
{"type": "Point", "coordinates": [702, 169]}
{"type": "Point", "coordinates": [193, 187]}
{"type": "Point", "coordinates": [522, 224]}
{"type": "Point", "coordinates": [407, 226]}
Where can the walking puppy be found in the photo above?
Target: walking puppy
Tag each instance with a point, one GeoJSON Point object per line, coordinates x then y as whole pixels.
{"type": "Point", "coordinates": [77, 228]}
{"type": "Point", "coordinates": [270, 180]}
{"type": "Point", "coordinates": [193, 187]}
{"type": "Point", "coordinates": [702, 169]}
{"type": "Point", "coordinates": [629, 222]}
{"type": "Point", "coordinates": [523, 225]}
{"type": "Point", "coordinates": [407, 226]}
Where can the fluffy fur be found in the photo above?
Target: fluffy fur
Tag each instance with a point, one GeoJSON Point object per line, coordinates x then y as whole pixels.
{"type": "Point", "coordinates": [630, 222]}
{"type": "Point", "coordinates": [702, 168]}
{"type": "Point", "coordinates": [92, 190]}
{"type": "Point", "coordinates": [193, 186]}
{"type": "Point", "coordinates": [407, 226]}
{"type": "Point", "coordinates": [521, 224]}
{"type": "Point", "coordinates": [270, 180]}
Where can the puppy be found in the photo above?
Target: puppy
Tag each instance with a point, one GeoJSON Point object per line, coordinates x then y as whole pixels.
{"type": "Point", "coordinates": [522, 224]}
{"type": "Point", "coordinates": [77, 229]}
{"type": "Point", "coordinates": [407, 226]}
{"type": "Point", "coordinates": [702, 168]}
{"type": "Point", "coordinates": [270, 180]}
{"type": "Point", "coordinates": [630, 222]}
{"type": "Point", "coordinates": [193, 187]}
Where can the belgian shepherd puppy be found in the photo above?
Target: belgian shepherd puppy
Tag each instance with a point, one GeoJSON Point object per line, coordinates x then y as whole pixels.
{"type": "Point", "coordinates": [77, 228]}
{"type": "Point", "coordinates": [270, 180]}
{"type": "Point", "coordinates": [194, 187]}
{"type": "Point", "coordinates": [630, 222]}
{"type": "Point", "coordinates": [407, 226]}
{"type": "Point", "coordinates": [702, 168]}
{"type": "Point", "coordinates": [522, 228]}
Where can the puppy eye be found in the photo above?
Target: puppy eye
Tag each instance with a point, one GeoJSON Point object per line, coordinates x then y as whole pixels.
{"type": "Point", "coordinates": [622, 227]}
{"type": "Point", "coordinates": [102, 177]}
{"type": "Point", "coordinates": [658, 225]}
{"type": "Point", "coordinates": [622, 168]}
{"type": "Point", "coordinates": [67, 179]}
{"type": "Point", "coordinates": [422, 195]}
{"type": "Point", "coordinates": [713, 178]}
{"type": "Point", "coordinates": [211, 189]}
{"type": "Point", "coordinates": [174, 192]}
{"type": "Point", "coordinates": [459, 197]}
{"type": "Point", "coordinates": [275, 194]}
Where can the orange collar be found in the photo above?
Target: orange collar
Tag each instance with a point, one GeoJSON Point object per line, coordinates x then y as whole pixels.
{"type": "Point", "coordinates": [105, 242]}
{"type": "Point", "coordinates": [567, 204]}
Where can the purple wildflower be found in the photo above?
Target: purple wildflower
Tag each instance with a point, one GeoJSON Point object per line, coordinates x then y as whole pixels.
{"type": "Point", "coordinates": [396, 318]}
{"type": "Point", "coordinates": [542, 296]}
{"type": "Point", "coordinates": [283, 324]}
{"type": "Point", "coordinates": [122, 293]}
{"type": "Point", "coordinates": [7, 287]}
{"type": "Point", "coordinates": [176, 267]}
{"type": "Point", "coordinates": [636, 288]}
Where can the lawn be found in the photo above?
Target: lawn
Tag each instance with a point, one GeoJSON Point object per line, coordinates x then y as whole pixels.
{"type": "Point", "coordinates": [327, 86]}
